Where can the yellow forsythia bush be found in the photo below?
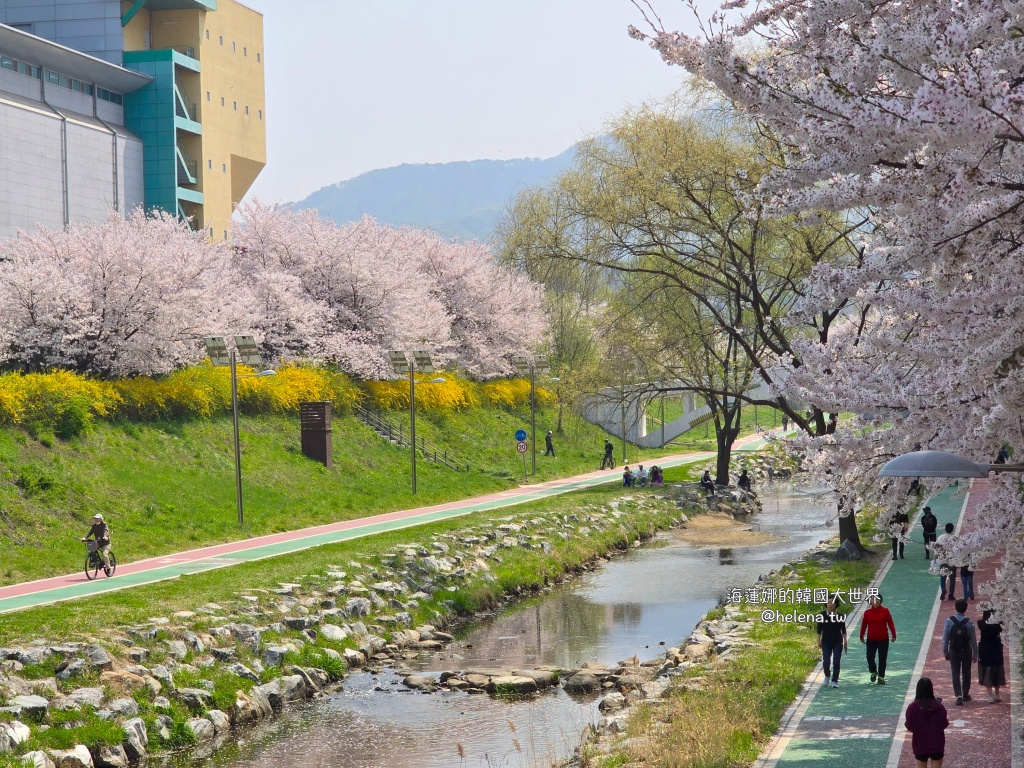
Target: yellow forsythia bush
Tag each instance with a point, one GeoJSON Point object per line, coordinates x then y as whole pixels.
{"type": "Point", "coordinates": [60, 402]}
{"type": "Point", "coordinates": [293, 385]}
{"type": "Point", "coordinates": [453, 394]}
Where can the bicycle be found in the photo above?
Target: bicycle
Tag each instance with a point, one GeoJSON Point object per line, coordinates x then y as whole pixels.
{"type": "Point", "coordinates": [94, 562]}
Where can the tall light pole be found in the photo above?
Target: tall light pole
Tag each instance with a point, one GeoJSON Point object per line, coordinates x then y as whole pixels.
{"type": "Point", "coordinates": [421, 363]}
{"type": "Point", "coordinates": [245, 347]}
{"type": "Point", "coordinates": [530, 366]}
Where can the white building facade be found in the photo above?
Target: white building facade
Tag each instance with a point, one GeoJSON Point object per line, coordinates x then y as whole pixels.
{"type": "Point", "coordinates": [65, 155]}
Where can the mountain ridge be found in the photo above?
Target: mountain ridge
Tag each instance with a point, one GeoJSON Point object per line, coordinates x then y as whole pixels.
{"type": "Point", "coordinates": [463, 199]}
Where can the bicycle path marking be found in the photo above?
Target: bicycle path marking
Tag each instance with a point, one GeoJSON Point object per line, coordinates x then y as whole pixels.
{"type": "Point", "coordinates": [32, 594]}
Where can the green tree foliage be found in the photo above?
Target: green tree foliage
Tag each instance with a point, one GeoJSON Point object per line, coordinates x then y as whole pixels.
{"type": "Point", "coordinates": [658, 215]}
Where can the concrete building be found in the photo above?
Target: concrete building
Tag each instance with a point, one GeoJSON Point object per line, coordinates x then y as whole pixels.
{"type": "Point", "coordinates": [199, 110]}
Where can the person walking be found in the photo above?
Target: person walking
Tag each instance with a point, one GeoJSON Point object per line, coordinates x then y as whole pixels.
{"type": "Point", "coordinates": [929, 523]}
{"type": "Point", "coordinates": [967, 581]}
{"type": "Point", "coordinates": [899, 524]}
{"type": "Point", "coordinates": [608, 462]}
{"type": "Point", "coordinates": [876, 624]}
{"type": "Point", "coordinates": [831, 641]}
{"type": "Point", "coordinates": [549, 445]}
{"type": "Point", "coordinates": [947, 572]}
{"type": "Point", "coordinates": [960, 649]}
{"type": "Point", "coordinates": [991, 671]}
{"type": "Point", "coordinates": [927, 721]}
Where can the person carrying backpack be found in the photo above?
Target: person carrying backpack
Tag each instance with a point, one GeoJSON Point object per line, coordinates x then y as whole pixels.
{"type": "Point", "coordinates": [960, 648]}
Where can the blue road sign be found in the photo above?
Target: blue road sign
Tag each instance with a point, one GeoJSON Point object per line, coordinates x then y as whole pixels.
{"type": "Point", "coordinates": [520, 435]}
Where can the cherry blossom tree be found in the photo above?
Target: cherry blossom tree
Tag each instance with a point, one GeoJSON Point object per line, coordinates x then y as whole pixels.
{"type": "Point", "coordinates": [349, 293]}
{"type": "Point", "coordinates": [913, 112]}
{"type": "Point", "coordinates": [121, 297]}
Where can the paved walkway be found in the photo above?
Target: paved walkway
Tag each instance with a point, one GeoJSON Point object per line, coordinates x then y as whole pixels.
{"type": "Point", "coordinates": [43, 592]}
{"type": "Point", "coordinates": [859, 724]}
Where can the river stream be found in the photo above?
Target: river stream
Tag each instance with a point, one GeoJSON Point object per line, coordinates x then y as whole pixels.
{"type": "Point", "coordinates": [634, 605]}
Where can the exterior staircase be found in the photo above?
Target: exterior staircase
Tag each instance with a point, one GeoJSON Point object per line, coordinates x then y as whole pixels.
{"type": "Point", "coordinates": [396, 434]}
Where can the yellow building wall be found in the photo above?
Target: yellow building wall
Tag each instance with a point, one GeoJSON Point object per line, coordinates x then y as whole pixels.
{"type": "Point", "coordinates": [229, 93]}
{"type": "Point", "coordinates": [135, 32]}
{"type": "Point", "coordinates": [232, 108]}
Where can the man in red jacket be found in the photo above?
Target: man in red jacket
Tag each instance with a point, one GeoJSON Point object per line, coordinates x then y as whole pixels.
{"type": "Point", "coordinates": [877, 624]}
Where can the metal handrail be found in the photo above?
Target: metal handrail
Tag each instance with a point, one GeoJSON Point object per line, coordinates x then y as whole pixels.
{"type": "Point", "coordinates": [190, 164]}
{"type": "Point", "coordinates": [183, 105]}
{"type": "Point", "coordinates": [186, 50]}
{"type": "Point", "coordinates": [396, 434]}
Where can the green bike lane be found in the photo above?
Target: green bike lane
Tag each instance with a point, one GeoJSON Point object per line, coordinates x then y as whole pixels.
{"type": "Point", "coordinates": [854, 725]}
{"type": "Point", "coordinates": [46, 591]}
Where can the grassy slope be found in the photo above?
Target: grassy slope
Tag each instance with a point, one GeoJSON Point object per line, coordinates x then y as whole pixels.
{"type": "Point", "coordinates": [168, 487]}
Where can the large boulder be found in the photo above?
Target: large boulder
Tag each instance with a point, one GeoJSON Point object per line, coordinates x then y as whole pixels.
{"type": "Point", "coordinates": [544, 678]}
{"type": "Point", "coordinates": [98, 657]}
{"type": "Point", "coordinates": [111, 757]}
{"type": "Point", "coordinates": [420, 682]}
{"type": "Point", "coordinates": [78, 757]}
{"type": "Point", "coordinates": [87, 697]}
{"type": "Point", "coordinates": [37, 759]}
{"type": "Point", "coordinates": [512, 684]}
{"type": "Point", "coordinates": [69, 670]}
{"type": "Point", "coordinates": [32, 706]}
{"type": "Point", "coordinates": [136, 738]}
{"type": "Point", "coordinates": [293, 688]}
{"type": "Point", "coordinates": [124, 707]}
{"type": "Point", "coordinates": [122, 682]}
{"type": "Point", "coordinates": [357, 606]}
{"type": "Point", "coordinates": [582, 682]}
{"type": "Point", "coordinates": [221, 721]}
{"type": "Point", "coordinates": [333, 633]}
{"type": "Point", "coordinates": [848, 551]}
{"type": "Point", "coordinates": [196, 699]}
{"type": "Point", "coordinates": [202, 729]}
{"type": "Point", "coordinates": [250, 707]}
{"type": "Point", "coordinates": [12, 735]}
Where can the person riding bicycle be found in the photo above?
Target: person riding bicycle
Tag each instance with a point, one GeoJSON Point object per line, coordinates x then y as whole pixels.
{"type": "Point", "coordinates": [100, 531]}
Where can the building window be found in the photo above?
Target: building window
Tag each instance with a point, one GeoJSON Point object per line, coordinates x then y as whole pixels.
{"type": "Point", "coordinates": [207, 34]}
{"type": "Point", "coordinates": [222, 39]}
{"type": "Point", "coordinates": [224, 167]}
{"type": "Point", "coordinates": [246, 110]}
{"type": "Point", "coordinates": [222, 101]}
{"type": "Point", "coordinates": [261, 113]}
{"type": "Point", "coordinates": [209, 164]}
{"type": "Point", "coordinates": [207, 95]}
{"type": "Point", "coordinates": [225, 234]}
{"type": "Point", "coordinates": [257, 58]}
{"type": "Point", "coordinates": [233, 48]}
{"type": "Point", "coordinates": [234, 105]}
{"type": "Point", "coordinates": [245, 50]}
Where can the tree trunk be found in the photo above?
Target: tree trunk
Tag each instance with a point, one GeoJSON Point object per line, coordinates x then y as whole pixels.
{"type": "Point", "coordinates": [724, 436]}
{"type": "Point", "coordinates": [848, 530]}
{"type": "Point", "coordinates": [561, 407]}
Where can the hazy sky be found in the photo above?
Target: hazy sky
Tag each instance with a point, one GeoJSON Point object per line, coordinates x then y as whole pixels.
{"type": "Point", "coordinates": [354, 85]}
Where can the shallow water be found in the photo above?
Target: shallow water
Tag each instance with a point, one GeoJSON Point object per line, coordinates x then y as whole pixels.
{"type": "Point", "coordinates": [634, 605]}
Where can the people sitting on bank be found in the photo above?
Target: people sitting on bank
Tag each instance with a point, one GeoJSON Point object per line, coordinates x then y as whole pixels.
{"type": "Point", "coordinates": [657, 475]}
{"type": "Point", "coordinates": [627, 477]}
{"type": "Point", "coordinates": [744, 481]}
{"type": "Point", "coordinates": [706, 482]}
{"type": "Point", "coordinates": [642, 476]}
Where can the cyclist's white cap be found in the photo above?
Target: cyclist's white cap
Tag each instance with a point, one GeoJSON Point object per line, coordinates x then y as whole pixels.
{"type": "Point", "coordinates": [97, 517]}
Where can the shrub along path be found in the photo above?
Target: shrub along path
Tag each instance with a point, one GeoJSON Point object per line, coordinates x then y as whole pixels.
{"type": "Point", "coordinates": [45, 591]}
{"type": "Point", "coordinates": [860, 724]}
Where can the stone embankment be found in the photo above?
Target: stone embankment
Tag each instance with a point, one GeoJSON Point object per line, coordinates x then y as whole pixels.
{"type": "Point", "coordinates": [193, 679]}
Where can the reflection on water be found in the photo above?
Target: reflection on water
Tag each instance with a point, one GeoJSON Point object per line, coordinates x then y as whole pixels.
{"type": "Point", "coordinates": [635, 605]}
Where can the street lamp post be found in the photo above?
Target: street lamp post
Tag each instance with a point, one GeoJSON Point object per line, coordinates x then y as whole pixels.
{"type": "Point", "coordinates": [941, 464]}
{"type": "Point", "coordinates": [532, 366]}
{"type": "Point", "coordinates": [421, 363]}
{"type": "Point", "coordinates": [220, 355]}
